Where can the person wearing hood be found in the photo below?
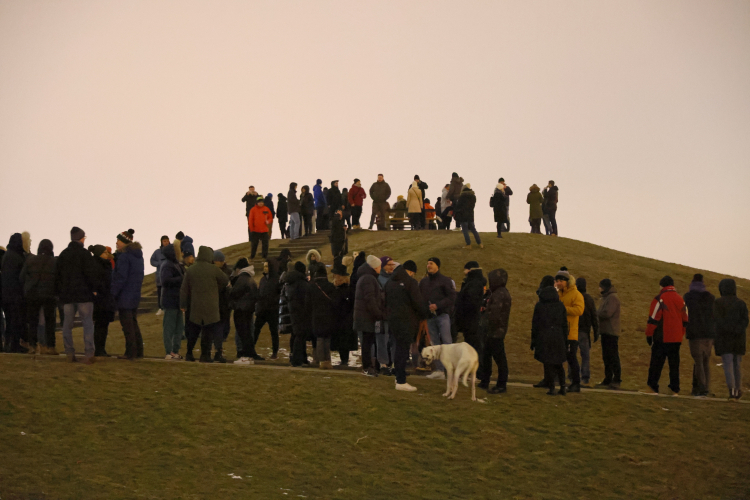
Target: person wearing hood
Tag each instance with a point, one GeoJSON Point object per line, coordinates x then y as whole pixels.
{"type": "Point", "coordinates": [575, 305]}
{"type": "Point", "coordinates": [383, 345]}
{"type": "Point", "coordinates": [399, 212]}
{"type": "Point", "coordinates": [346, 210]}
{"type": "Point", "coordinates": [282, 215]}
{"type": "Point", "coordinates": [320, 204]}
{"type": "Point", "coordinates": [314, 261]}
{"type": "Point", "coordinates": [439, 293]}
{"type": "Point", "coordinates": [446, 208]}
{"type": "Point", "coordinates": [700, 333]}
{"type": "Point", "coordinates": [667, 319]}
{"type": "Point", "coordinates": [104, 303]}
{"type": "Point", "coordinates": [495, 318]}
{"type": "Point", "coordinates": [464, 215]}
{"type": "Point", "coordinates": [405, 309]}
{"type": "Point", "coordinates": [499, 208]}
{"type": "Point", "coordinates": [307, 210]}
{"type": "Point", "coordinates": [550, 205]}
{"type": "Point", "coordinates": [173, 325]}
{"type": "Point", "coordinates": [295, 290]}
{"type": "Point", "coordinates": [260, 222]}
{"type": "Point", "coordinates": [368, 309]}
{"type": "Point", "coordinates": [508, 193]}
{"type": "Point", "coordinates": [731, 320]}
{"type": "Point", "coordinates": [469, 305]}
{"type": "Point", "coordinates": [344, 339]}
{"type": "Point", "coordinates": [242, 299]}
{"type": "Point", "coordinates": [337, 238]}
{"type": "Point", "coordinates": [199, 298]}
{"type": "Point", "coordinates": [588, 321]}
{"type": "Point", "coordinates": [455, 188]}
{"type": "Point", "coordinates": [157, 259]}
{"type": "Point", "coordinates": [609, 329]}
{"type": "Point", "coordinates": [380, 191]}
{"type": "Point", "coordinates": [14, 304]}
{"type": "Point", "coordinates": [268, 201]}
{"type": "Point", "coordinates": [225, 312]}
{"type": "Point", "coordinates": [250, 198]}
{"type": "Point", "coordinates": [127, 280]}
{"type": "Point", "coordinates": [415, 205]}
{"type": "Point", "coordinates": [535, 200]}
{"type": "Point", "coordinates": [38, 281]}
{"type": "Point", "coordinates": [547, 280]}
{"type": "Point", "coordinates": [549, 333]}
{"type": "Point", "coordinates": [294, 208]}
{"type": "Point", "coordinates": [186, 253]}
{"type": "Point", "coordinates": [267, 306]}
{"type": "Point", "coordinates": [356, 197]}
{"type": "Point", "coordinates": [320, 309]}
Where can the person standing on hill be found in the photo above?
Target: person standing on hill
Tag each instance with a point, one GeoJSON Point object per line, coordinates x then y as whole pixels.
{"type": "Point", "coordinates": [422, 188]}
{"type": "Point", "coordinates": [268, 201]}
{"type": "Point", "coordinates": [259, 221]}
{"type": "Point", "coordinates": [469, 305]}
{"type": "Point", "coordinates": [439, 293]}
{"type": "Point", "coordinates": [383, 345]}
{"type": "Point", "coordinates": [104, 304]}
{"type": "Point", "coordinates": [157, 259]}
{"type": "Point", "coordinates": [38, 282]}
{"type": "Point", "coordinates": [357, 197]}
{"type": "Point", "coordinates": [574, 304]}
{"type": "Point", "coordinates": [320, 306]}
{"type": "Point", "coordinates": [250, 198]}
{"type": "Point", "coordinates": [508, 192]}
{"type": "Point", "coordinates": [730, 314]}
{"type": "Point", "coordinates": [454, 188]}
{"type": "Point", "coordinates": [293, 205]}
{"type": "Point", "coordinates": [446, 208]}
{"type": "Point", "coordinates": [496, 316]}
{"type": "Point", "coordinates": [415, 205]}
{"type": "Point", "coordinates": [320, 204]}
{"type": "Point", "coordinates": [282, 215]}
{"type": "Point", "coordinates": [173, 325]}
{"type": "Point", "coordinates": [346, 210]}
{"type": "Point", "coordinates": [368, 309]}
{"type": "Point", "coordinates": [267, 307]}
{"type": "Point", "coordinates": [667, 319]}
{"type": "Point", "coordinates": [338, 237]}
{"type": "Point", "coordinates": [464, 215]}
{"type": "Point", "coordinates": [609, 328]}
{"type": "Point", "coordinates": [535, 200]}
{"type": "Point", "coordinates": [224, 311]}
{"type": "Point", "coordinates": [127, 280]}
{"type": "Point", "coordinates": [14, 304]}
{"type": "Point", "coordinates": [242, 299]}
{"type": "Point", "coordinates": [333, 198]}
{"type": "Point", "coordinates": [307, 209]}
{"type": "Point", "coordinates": [295, 288]}
{"type": "Point", "coordinates": [700, 332]}
{"type": "Point", "coordinates": [380, 191]}
{"type": "Point", "coordinates": [550, 204]}
{"type": "Point", "coordinates": [588, 321]}
{"type": "Point", "coordinates": [549, 331]}
{"type": "Point", "coordinates": [344, 339]}
{"type": "Point", "coordinates": [499, 208]}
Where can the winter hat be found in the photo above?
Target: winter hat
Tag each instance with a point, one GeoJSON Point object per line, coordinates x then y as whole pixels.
{"type": "Point", "coordinates": [698, 277]}
{"type": "Point", "coordinates": [339, 270]}
{"type": "Point", "coordinates": [269, 195]}
{"type": "Point", "coordinates": [241, 264]}
{"type": "Point", "coordinates": [435, 260]}
{"type": "Point", "coordinates": [606, 284]}
{"type": "Point", "coordinates": [472, 264]}
{"type": "Point", "coordinates": [126, 236]}
{"type": "Point", "coordinates": [666, 281]}
{"type": "Point", "coordinates": [454, 175]}
{"type": "Point", "coordinates": [179, 236]}
{"type": "Point", "coordinates": [562, 274]}
{"type": "Point", "coordinates": [373, 261]}
{"type": "Point", "coordinates": [187, 247]}
{"type": "Point", "coordinates": [260, 198]}
{"type": "Point", "coordinates": [547, 281]}
{"type": "Point", "coordinates": [319, 181]}
{"type": "Point", "coordinates": [77, 233]}
{"type": "Point", "coordinates": [219, 256]}
{"type": "Point", "coordinates": [97, 250]}
{"type": "Point", "coordinates": [581, 285]}
{"type": "Point", "coordinates": [426, 200]}
{"type": "Point", "coordinates": [385, 260]}
{"type": "Point", "coordinates": [400, 197]}
{"type": "Point", "coordinates": [500, 180]}
{"type": "Point", "coordinates": [410, 265]}
{"type": "Point", "coordinates": [300, 267]}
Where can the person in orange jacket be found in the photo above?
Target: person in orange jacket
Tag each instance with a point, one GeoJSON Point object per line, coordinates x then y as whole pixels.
{"type": "Point", "coordinates": [667, 319]}
{"type": "Point", "coordinates": [258, 222]}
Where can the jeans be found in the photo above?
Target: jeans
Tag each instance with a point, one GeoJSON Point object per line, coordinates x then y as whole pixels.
{"type": "Point", "coordinates": [244, 339]}
{"type": "Point", "coordinates": [551, 213]}
{"type": "Point", "coordinates": [584, 343]}
{"type": "Point", "coordinates": [254, 239]}
{"type": "Point", "coordinates": [48, 306]}
{"type": "Point", "coordinates": [611, 358]}
{"type": "Point", "coordinates": [272, 318]}
{"type": "Point", "coordinates": [494, 349]}
{"type": "Point", "coordinates": [661, 352]}
{"type": "Point", "coordinates": [439, 328]}
{"type": "Point", "coordinates": [86, 313]}
{"type": "Point", "coordinates": [732, 364]}
{"type": "Point", "coordinates": [572, 356]}
{"type": "Point", "coordinates": [294, 226]}
{"type": "Point", "coordinates": [700, 350]}
{"type": "Point", "coordinates": [469, 226]}
{"type": "Point", "coordinates": [133, 338]}
{"type": "Point", "coordinates": [356, 214]}
{"type": "Point", "coordinates": [400, 357]}
{"type": "Point", "coordinates": [173, 326]}
{"type": "Point", "coordinates": [547, 224]}
{"type": "Point", "coordinates": [383, 345]}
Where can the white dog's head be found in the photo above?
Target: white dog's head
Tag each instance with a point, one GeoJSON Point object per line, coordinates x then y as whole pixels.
{"type": "Point", "coordinates": [430, 354]}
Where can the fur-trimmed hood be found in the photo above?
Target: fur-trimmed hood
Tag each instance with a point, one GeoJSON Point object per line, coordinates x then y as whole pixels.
{"type": "Point", "coordinates": [311, 253]}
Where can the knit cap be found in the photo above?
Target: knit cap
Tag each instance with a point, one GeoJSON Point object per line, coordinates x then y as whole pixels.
{"type": "Point", "coordinates": [435, 260]}
{"type": "Point", "coordinates": [698, 277]}
{"type": "Point", "coordinates": [76, 233]}
{"type": "Point", "coordinates": [219, 256]}
{"type": "Point", "coordinates": [410, 265]}
{"type": "Point", "coordinates": [241, 264]}
{"type": "Point", "coordinates": [606, 284]}
{"type": "Point", "coordinates": [562, 274]}
{"type": "Point", "coordinates": [472, 264]}
{"type": "Point", "coordinates": [126, 236]}
{"type": "Point", "coordinates": [179, 236]}
{"type": "Point", "coordinates": [666, 281]}
{"type": "Point", "coordinates": [300, 267]}
{"type": "Point", "coordinates": [373, 261]}
{"type": "Point", "coordinates": [385, 260]}
{"type": "Point", "coordinates": [97, 250]}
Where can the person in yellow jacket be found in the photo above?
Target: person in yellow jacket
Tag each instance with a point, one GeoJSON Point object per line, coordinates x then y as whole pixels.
{"type": "Point", "coordinates": [574, 304]}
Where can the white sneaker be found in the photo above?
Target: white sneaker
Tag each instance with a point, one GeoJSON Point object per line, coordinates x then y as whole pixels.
{"type": "Point", "coordinates": [405, 387]}
{"type": "Point", "coordinates": [437, 375]}
{"type": "Point", "coordinates": [168, 357]}
{"type": "Point", "coordinates": [159, 312]}
{"type": "Point", "coordinates": [244, 361]}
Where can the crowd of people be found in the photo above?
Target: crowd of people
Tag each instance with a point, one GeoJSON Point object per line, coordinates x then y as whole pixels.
{"type": "Point", "coordinates": [383, 308]}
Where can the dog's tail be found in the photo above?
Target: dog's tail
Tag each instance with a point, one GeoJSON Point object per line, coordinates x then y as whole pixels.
{"type": "Point", "coordinates": [473, 369]}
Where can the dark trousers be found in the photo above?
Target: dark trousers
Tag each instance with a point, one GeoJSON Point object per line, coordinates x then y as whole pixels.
{"type": "Point", "coordinates": [272, 318]}
{"type": "Point", "coordinates": [243, 324]}
{"type": "Point", "coordinates": [249, 235]}
{"type": "Point", "coordinates": [611, 358]}
{"type": "Point", "coordinates": [415, 219]}
{"type": "Point", "coordinates": [500, 229]}
{"type": "Point", "coordinates": [536, 225]}
{"type": "Point", "coordinates": [101, 330]}
{"type": "Point", "coordinates": [207, 333]}
{"type": "Point", "coordinates": [15, 325]}
{"type": "Point", "coordinates": [494, 349]}
{"type": "Point", "coordinates": [368, 342]}
{"type": "Point", "coordinates": [299, 348]}
{"type": "Point", "coordinates": [133, 338]}
{"type": "Point", "coordinates": [307, 222]}
{"type": "Point", "coordinates": [282, 227]}
{"type": "Point", "coordinates": [344, 355]}
{"type": "Point", "coordinates": [572, 356]}
{"type": "Point", "coordinates": [356, 214]}
{"type": "Point", "coordinates": [400, 357]}
{"type": "Point", "coordinates": [158, 295]}
{"type": "Point", "coordinates": [254, 239]}
{"type": "Point", "coordinates": [49, 307]}
{"type": "Point", "coordinates": [554, 371]}
{"type": "Point", "coordinates": [661, 352]}
{"type": "Point", "coordinates": [553, 222]}
{"type": "Point", "coordinates": [700, 350]}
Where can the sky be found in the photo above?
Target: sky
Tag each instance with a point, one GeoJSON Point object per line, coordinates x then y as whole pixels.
{"type": "Point", "coordinates": [157, 115]}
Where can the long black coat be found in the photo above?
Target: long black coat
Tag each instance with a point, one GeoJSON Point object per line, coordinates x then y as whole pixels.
{"type": "Point", "coordinates": [296, 291]}
{"type": "Point", "coordinates": [270, 289]}
{"type": "Point", "coordinates": [38, 277]}
{"type": "Point", "coordinates": [368, 301]}
{"type": "Point", "coordinates": [320, 306]}
{"type": "Point", "coordinates": [463, 211]}
{"type": "Point", "coordinates": [307, 204]}
{"type": "Point", "coordinates": [730, 314]}
{"type": "Point", "coordinates": [282, 213]}
{"type": "Point", "coordinates": [104, 303]}
{"type": "Point", "coordinates": [497, 312]}
{"type": "Point", "coordinates": [469, 302]}
{"type": "Point", "coordinates": [405, 307]}
{"type": "Point", "coordinates": [12, 264]}
{"type": "Point", "coordinates": [499, 208]}
{"type": "Point", "coordinates": [344, 338]}
{"type": "Point", "coordinates": [76, 276]}
{"type": "Point", "coordinates": [334, 199]}
{"type": "Point", "coordinates": [172, 274]}
{"type": "Point", "coordinates": [549, 328]}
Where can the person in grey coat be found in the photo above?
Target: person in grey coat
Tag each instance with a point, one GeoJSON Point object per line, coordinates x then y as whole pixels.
{"type": "Point", "coordinates": [157, 259]}
{"type": "Point", "coordinates": [609, 329]}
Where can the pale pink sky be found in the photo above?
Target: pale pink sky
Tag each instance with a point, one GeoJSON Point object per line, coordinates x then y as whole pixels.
{"type": "Point", "coordinates": [157, 115]}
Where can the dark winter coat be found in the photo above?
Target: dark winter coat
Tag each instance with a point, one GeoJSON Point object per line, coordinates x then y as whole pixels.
{"type": "Point", "coordinates": [244, 292]}
{"type": "Point", "coordinates": [201, 287]}
{"type": "Point", "coordinates": [334, 198]}
{"type": "Point", "coordinates": [38, 277]}
{"type": "Point", "coordinates": [296, 292]}
{"type": "Point", "coordinates": [589, 318]}
{"type": "Point", "coordinates": [320, 308]}
{"type": "Point", "coordinates": [469, 302]}
{"type": "Point", "coordinates": [307, 204]}
{"type": "Point", "coordinates": [497, 311]}
{"type": "Point", "coordinates": [731, 319]}
{"type": "Point", "coordinates": [127, 278]}
{"type": "Point", "coordinates": [157, 259]}
{"type": "Point", "coordinates": [292, 202]}
{"type": "Point", "coordinates": [268, 202]}
{"type": "Point", "coordinates": [405, 307]}
{"type": "Point", "coordinates": [700, 305]}
{"type": "Point", "coordinates": [463, 211]}
{"type": "Point", "coordinates": [172, 274]}
{"type": "Point", "coordinates": [338, 230]}
{"type": "Point", "coordinates": [454, 191]}
{"type": "Point", "coordinates": [12, 264]}
{"type": "Point", "coordinates": [270, 289]}
{"type": "Point", "coordinates": [104, 303]}
{"type": "Point", "coordinates": [535, 201]}
{"type": "Point", "coordinates": [77, 275]}
{"type": "Point", "coordinates": [282, 212]}
{"type": "Point", "coordinates": [499, 208]}
{"type": "Point", "coordinates": [439, 290]}
{"type": "Point", "coordinates": [550, 198]}
{"type": "Point", "coordinates": [250, 201]}
{"type": "Point", "coordinates": [380, 192]}
{"type": "Point", "coordinates": [549, 328]}
{"type": "Point", "coordinates": [344, 338]}
{"type": "Point", "coordinates": [609, 313]}
{"type": "Point", "coordinates": [368, 301]}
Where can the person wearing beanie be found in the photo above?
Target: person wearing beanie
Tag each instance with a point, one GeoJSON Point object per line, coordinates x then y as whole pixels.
{"type": "Point", "coordinates": [38, 282]}
{"type": "Point", "coordinates": [77, 277]}
{"type": "Point", "coordinates": [667, 319]}
{"type": "Point", "coordinates": [587, 322]}
{"type": "Point", "coordinates": [496, 316]}
{"type": "Point", "coordinates": [243, 297]}
{"type": "Point", "coordinates": [282, 215]}
{"type": "Point", "coordinates": [173, 323]}
{"type": "Point", "coordinates": [468, 307]}
{"type": "Point", "coordinates": [700, 332]}
{"type": "Point", "coordinates": [380, 191]}
{"type": "Point", "coordinates": [411, 266]}
{"type": "Point", "coordinates": [499, 208]}
{"type": "Point", "coordinates": [730, 315]}
{"type": "Point", "coordinates": [439, 294]}
{"type": "Point", "coordinates": [259, 223]}
{"type": "Point", "coordinates": [185, 251]}
{"type": "Point", "coordinates": [127, 280]}
{"type": "Point", "coordinates": [368, 310]}
{"type": "Point", "coordinates": [463, 213]}
{"type": "Point", "coordinates": [356, 196]}
{"type": "Point", "coordinates": [157, 259]}
{"type": "Point", "coordinates": [549, 334]}
{"type": "Point", "coordinates": [575, 305]}
{"type": "Point", "coordinates": [508, 192]}
{"type": "Point", "coordinates": [609, 329]}
{"type": "Point", "coordinates": [535, 201]}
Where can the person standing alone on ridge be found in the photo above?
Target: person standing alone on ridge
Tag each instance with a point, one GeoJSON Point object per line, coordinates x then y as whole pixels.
{"type": "Point", "coordinates": [380, 191]}
{"type": "Point", "coordinates": [250, 198]}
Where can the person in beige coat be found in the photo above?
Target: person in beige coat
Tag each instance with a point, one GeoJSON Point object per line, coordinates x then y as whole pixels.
{"type": "Point", "coordinates": [414, 204]}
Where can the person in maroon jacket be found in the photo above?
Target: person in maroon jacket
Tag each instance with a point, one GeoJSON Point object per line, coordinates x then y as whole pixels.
{"type": "Point", "coordinates": [667, 320]}
{"type": "Point", "coordinates": [356, 196]}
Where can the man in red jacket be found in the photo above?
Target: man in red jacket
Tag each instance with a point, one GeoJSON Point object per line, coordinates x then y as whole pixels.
{"type": "Point", "coordinates": [258, 222]}
{"type": "Point", "coordinates": [667, 319]}
{"type": "Point", "coordinates": [356, 197]}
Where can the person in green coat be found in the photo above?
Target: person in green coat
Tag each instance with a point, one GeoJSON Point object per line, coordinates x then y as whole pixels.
{"type": "Point", "coordinates": [199, 298]}
{"type": "Point", "coordinates": [535, 200]}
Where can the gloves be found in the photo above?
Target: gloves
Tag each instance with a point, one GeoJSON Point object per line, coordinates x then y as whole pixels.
{"type": "Point", "coordinates": [650, 340]}
{"type": "Point", "coordinates": [596, 337]}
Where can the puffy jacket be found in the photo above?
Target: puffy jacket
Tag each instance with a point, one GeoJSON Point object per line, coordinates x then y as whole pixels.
{"type": "Point", "coordinates": [320, 200]}
{"type": "Point", "coordinates": [380, 192]}
{"type": "Point", "coordinates": [320, 307]}
{"type": "Point", "coordinates": [574, 304]}
{"type": "Point", "coordinates": [244, 292]}
{"type": "Point", "coordinates": [344, 338]}
{"type": "Point", "coordinates": [356, 196]}
{"type": "Point", "coordinates": [76, 275]}
{"type": "Point", "coordinates": [549, 328]}
{"type": "Point", "coordinates": [157, 259]}
{"type": "Point", "coordinates": [497, 311]}
{"type": "Point", "coordinates": [307, 204]}
{"type": "Point", "coordinates": [38, 277]}
{"type": "Point", "coordinates": [295, 290]}
{"type": "Point", "coordinates": [464, 208]}
{"type": "Point", "coordinates": [405, 307]}
{"type": "Point", "coordinates": [104, 303]}
{"type": "Point", "coordinates": [469, 302]}
{"type": "Point", "coordinates": [730, 314]}
{"type": "Point", "coordinates": [172, 273]}
{"type": "Point", "coordinates": [609, 313]}
{"type": "Point", "coordinates": [201, 287]}
{"type": "Point", "coordinates": [535, 200]}
{"type": "Point", "coordinates": [439, 290]}
{"type": "Point", "coordinates": [127, 278]}
{"type": "Point", "coordinates": [368, 300]}
{"type": "Point", "coordinates": [414, 201]}
{"type": "Point", "coordinates": [282, 212]}
{"type": "Point", "coordinates": [334, 198]}
{"type": "Point", "coordinates": [700, 305]}
{"type": "Point", "coordinates": [550, 198]}
{"type": "Point", "coordinates": [454, 191]}
{"type": "Point", "coordinates": [259, 219]}
{"type": "Point", "coordinates": [667, 317]}
{"type": "Point", "coordinates": [270, 289]}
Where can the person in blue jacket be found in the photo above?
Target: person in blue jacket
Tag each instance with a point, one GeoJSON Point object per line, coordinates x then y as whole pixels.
{"type": "Point", "coordinates": [157, 259]}
{"type": "Point", "coordinates": [127, 279]}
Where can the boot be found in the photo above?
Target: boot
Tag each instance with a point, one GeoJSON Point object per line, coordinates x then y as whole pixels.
{"type": "Point", "coordinates": [72, 358]}
{"type": "Point", "coordinates": [563, 391]}
{"type": "Point", "coordinates": [189, 356]}
{"type": "Point", "coordinates": [219, 358]}
{"type": "Point", "coordinates": [574, 388]}
{"type": "Point", "coordinates": [205, 358]}
{"type": "Point", "coordinates": [542, 383]}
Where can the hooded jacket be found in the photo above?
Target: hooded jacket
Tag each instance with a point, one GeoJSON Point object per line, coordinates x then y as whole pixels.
{"type": "Point", "coordinates": [700, 304]}
{"type": "Point", "coordinates": [268, 202]}
{"type": "Point", "coordinates": [454, 191]}
{"type": "Point", "coordinates": [497, 311]}
{"type": "Point", "coordinates": [127, 278]}
{"type": "Point", "coordinates": [730, 315]}
{"type": "Point", "coordinates": [439, 290]}
{"type": "Point", "coordinates": [535, 200]}
{"type": "Point", "coordinates": [201, 287]}
{"type": "Point", "coordinates": [282, 212]}
{"type": "Point", "coordinates": [356, 195]}
{"type": "Point", "coordinates": [157, 259]}
{"type": "Point", "coordinates": [414, 199]}
{"type": "Point", "coordinates": [464, 208]}
{"type": "Point", "coordinates": [550, 198]}
{"type": "Point", "coordinates": [296, 292]}
{"type": "Point", "coordinates": [104, 303]}
{"type": "Point", "coordinates": [667, 317]}
{"type": "Point", "coordinates": [306, 202]}
{"type": "Point", "coordinates": [344, 338]}
{"type": "Point", "coordinates": [313, 266]}
{"type": "Point", "coordinates": [380, 192]}
{"type": "Point", "coordinates": [574, 304]}
{"type": "Point", "coordinates": [469, 302]}
{"type": "Point", "coordinates": [172, 273]}
{"type": "Point", "coordinates": [269, 290]}
{"type": "Point", "coordinates": [38, 277]}
{"type": "Point", "coordinates": [244, 292]}
{"type": "Point", "coordinates": [549, 328]}
{"type": "Point", "coordinates": [499, 206]}
{"type": "Point", "coordinates": [12, 264]}
{"type": "Point", "coordinates": [405, 307]}
{"type": "Point", "coordinates": [320, 200]}
{"type": "Point", "coordinates": [320, 307]}
{"type": "Point", "coordinates": [609, 313]}
{"type": "Point", "coordinates": [338, 230]}
{"type": "Point", "coordinates": [76, 275]}
{"type": "Point", "coordinates": [589, 319]}
{"type": "Point", "coordinates": [368, 301]}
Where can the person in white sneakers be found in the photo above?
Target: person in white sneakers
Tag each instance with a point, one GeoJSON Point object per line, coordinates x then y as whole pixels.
{"type": "Point", "coordinates": [242, 298]}
{"type": "Point", "coordinates": [157, 259]}
{"type": "Point", "coordinates": [405, 310]}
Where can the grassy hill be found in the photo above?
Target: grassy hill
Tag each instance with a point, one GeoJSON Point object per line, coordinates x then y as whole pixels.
{"type": "Point", "coordinates": [178, 430]}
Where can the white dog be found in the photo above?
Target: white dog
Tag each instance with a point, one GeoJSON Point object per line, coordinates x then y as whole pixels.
{"type": "Point", "coordinates": [459, 360]}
